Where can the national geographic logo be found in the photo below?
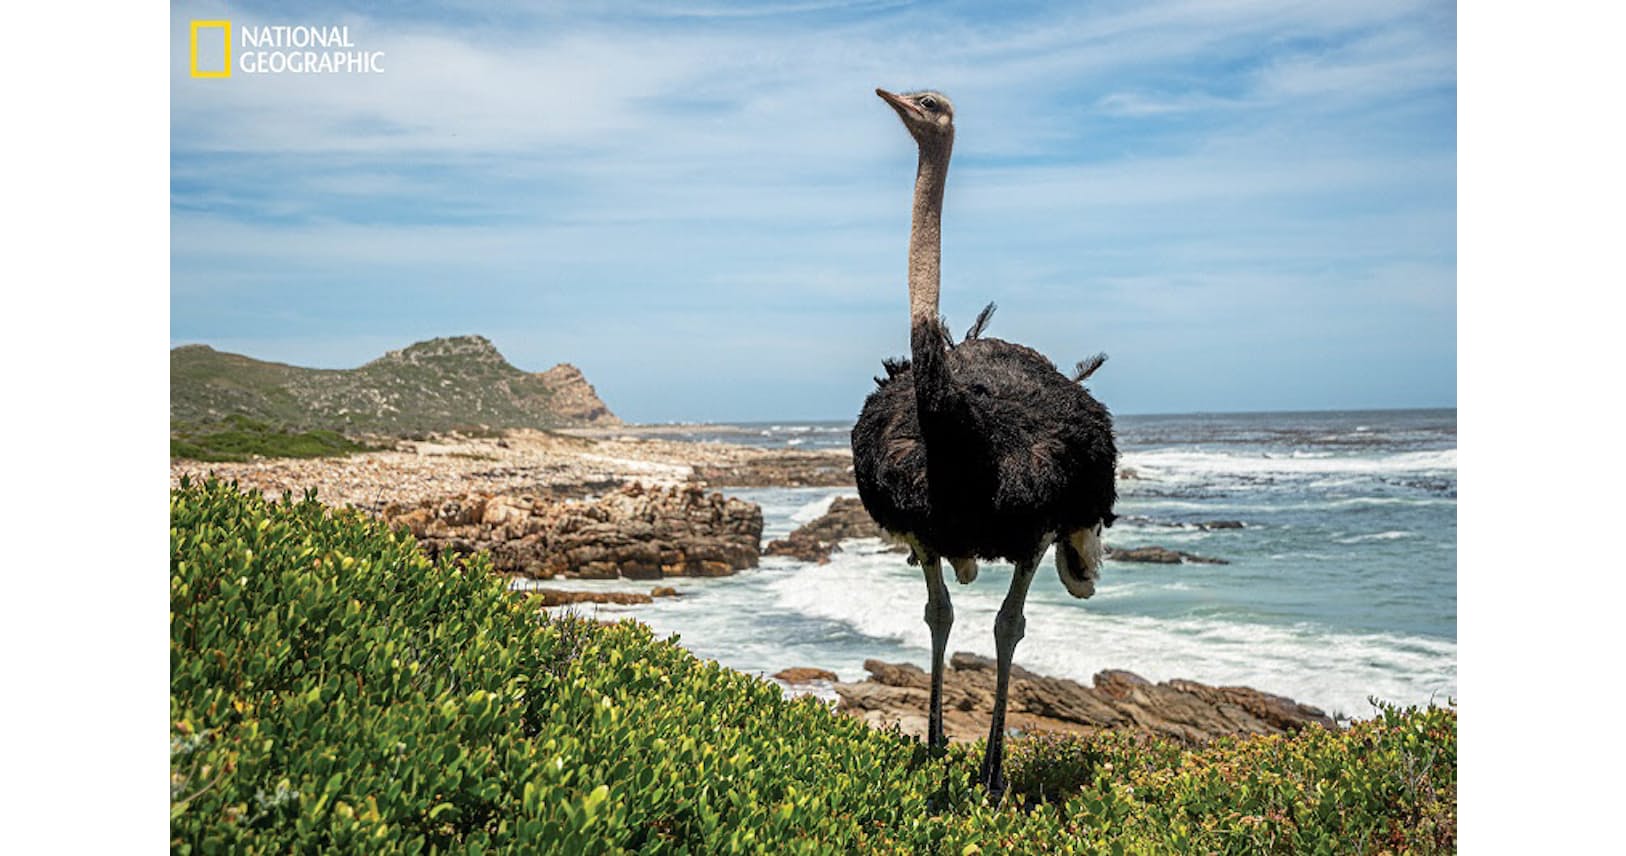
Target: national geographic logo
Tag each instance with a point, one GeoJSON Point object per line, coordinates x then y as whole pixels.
{"type": "Point", "coordinates": [211, 49]}
{"type": "Point", "coordinates": [278, 49]}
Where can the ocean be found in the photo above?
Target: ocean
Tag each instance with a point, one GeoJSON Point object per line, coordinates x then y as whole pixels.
{"type": "Point", "coordinates": [1340, 587]}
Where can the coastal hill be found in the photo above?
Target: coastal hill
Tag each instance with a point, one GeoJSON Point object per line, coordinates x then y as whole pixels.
{"type": "Point", "coordinates": [461, 382]}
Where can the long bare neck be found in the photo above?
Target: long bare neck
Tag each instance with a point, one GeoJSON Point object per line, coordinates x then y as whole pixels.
{"type": "Point", "coordinates": [926, 232]}
{"type": "Point", "coordinates": [936, 400]}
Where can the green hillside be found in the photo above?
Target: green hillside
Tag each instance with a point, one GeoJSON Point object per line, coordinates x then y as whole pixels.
{"type": "Point", "coordinates": [445, 384]}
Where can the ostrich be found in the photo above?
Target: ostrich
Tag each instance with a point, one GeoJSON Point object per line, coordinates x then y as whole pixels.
{"type": "Point", "coordinates": [981, 450]}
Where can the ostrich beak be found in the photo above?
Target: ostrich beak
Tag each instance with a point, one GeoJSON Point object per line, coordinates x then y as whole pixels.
{"type": "Point", "coordinates": [904, 108]}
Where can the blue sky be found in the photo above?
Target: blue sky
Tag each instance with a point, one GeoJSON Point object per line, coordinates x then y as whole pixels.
{"type": "Point", "coordinates": [1250, 205]}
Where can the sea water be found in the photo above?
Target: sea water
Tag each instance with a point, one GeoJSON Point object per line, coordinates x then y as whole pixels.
{"type": "Point", "coordinates": [1340, 584]}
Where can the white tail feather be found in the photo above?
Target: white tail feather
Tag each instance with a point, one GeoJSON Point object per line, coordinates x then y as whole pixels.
{"type": "Point", "coordinates": [965, 570]}
{"type": "Point", "coordinates": [1078, 562]}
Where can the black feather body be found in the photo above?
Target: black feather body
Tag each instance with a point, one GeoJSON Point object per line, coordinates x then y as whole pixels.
{"type": "Point", "coordinates": [982, 449]}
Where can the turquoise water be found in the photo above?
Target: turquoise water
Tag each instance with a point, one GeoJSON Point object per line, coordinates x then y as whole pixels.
{"type": "Point", "coordinates": [1341, 584]}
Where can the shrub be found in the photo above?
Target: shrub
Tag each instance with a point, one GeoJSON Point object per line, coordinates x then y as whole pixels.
{"type": "Point", "coordinates": [1385, 785]}
{"type": "Point", "coordinates": [333, 690]}
{"type": "Point", "coordinates": [238, 438]}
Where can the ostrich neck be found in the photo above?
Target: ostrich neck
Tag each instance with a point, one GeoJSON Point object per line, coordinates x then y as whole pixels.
{"type": "Point", "coordinates": [936, 401]}
{"type": "Point", "coordinates": [926, 233]}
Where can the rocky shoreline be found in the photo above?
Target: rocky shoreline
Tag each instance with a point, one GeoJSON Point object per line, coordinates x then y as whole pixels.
{"type": "Point", "coordinates": [546, 503]}
{"type": "Point", "coordinates": [634, 531]}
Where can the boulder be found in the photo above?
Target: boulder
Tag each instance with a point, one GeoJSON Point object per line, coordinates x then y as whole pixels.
{"type": "Point", "coordinates": [815, 541]}
{"type": "Point", "coordinates": [805, 674]}
{"type": "Point", "coordinates": [1159, 556]}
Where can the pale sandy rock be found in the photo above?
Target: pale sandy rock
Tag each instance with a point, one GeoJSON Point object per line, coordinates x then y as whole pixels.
{"type": "Point", "coordinates": [805, 674]}
{"type": "Point", "coordinates": [635, 532]}
{"type": "Point", "coordinates": [1185, 711]}
{"type": "Point", "coordinates": [520, 463]}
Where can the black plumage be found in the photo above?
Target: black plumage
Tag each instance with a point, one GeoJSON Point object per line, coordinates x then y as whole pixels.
{"type": "Point", "coordinates": [1011, 451]}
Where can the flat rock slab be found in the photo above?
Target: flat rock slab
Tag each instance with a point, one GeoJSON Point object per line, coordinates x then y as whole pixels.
{"type": "Point", "coordinates": [777, 468]}
{"type": "Point", "coordinates": [551, 597]}
{"type": "Point", "coordinates": [1186, 711]}
{"type": "Point", "coordinates": [805, 675]}
{"type": "Point", "coordinates": [562, 597]}
{"type": "Point", "coordinates": [1160, 556]}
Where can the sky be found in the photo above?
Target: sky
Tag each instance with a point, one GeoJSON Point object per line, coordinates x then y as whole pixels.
{"type": "Point", "coordinates": [1249, 205]}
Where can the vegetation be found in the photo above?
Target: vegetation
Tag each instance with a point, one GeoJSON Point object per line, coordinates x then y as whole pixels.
{"type": "Point", "coordinates": [238, 438]}
{"type": "Point", "coordinates": [333, 690]}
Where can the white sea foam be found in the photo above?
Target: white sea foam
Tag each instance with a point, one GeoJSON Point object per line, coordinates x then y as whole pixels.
{"type": "Point", "coordinates": [877, 596]}
{"type": "Point", "coordinates": [1233, 507]}
{"type": "Point", "coordinates": [1167, 464]}
{"type": "Point", "coordinates": [814, 510]}
{"type": "Point", "coordinates": [1376, 536]}
{"type": "Point", "coordinates": [783, 509]}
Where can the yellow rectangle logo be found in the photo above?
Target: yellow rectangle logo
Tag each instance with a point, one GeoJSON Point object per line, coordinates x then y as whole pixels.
{"type": "Point", "coordinates": [211, 50]}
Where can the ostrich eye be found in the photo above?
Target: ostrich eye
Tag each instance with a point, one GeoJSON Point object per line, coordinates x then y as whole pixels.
{"type": "Point", "coordinates": [929, 103]}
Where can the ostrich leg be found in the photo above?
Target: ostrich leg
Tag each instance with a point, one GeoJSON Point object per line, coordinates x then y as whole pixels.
{"type": "Point", "coordinates": [1009, 626]}
{"type": "Point", "coordinates": [939, 617]}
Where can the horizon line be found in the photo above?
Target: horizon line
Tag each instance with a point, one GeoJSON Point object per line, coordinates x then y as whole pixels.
{"type": "Point", "coordinates": [1289, 412]}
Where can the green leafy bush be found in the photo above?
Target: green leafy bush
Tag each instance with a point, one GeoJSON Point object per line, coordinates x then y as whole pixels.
{"type": "Point", "coordinates": [238, 438]}
{"type": "Point", "coordinates": [333, 690]}
{"type": "Point", "coordinates": [1385, 785]}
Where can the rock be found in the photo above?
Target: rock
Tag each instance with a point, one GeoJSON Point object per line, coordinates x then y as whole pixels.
{"type": "Point", "coordinates": [663, 591]}
{"type": "Point", "coordinates": [1159, 556]}
{"type": "Point", "coordinates": [815, 541]}
{"type": "Point", "coordinates": [897, 674]}
{"type": "Point", "coordinates": [804, 674]}
{"type": "Point", "coordinates": [1185, 711]}
{"type": "Point", "coordinates": [574, 399]}
{"type": "Point", "coordinates": [1220, 524]}
{"type": "Point", "coordinates": [634, 532]}
{"type": "Point", "coordinates": [556, 597]}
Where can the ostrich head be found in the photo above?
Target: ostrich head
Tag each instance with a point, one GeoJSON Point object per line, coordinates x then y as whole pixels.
{"type": "Point", "coordinates": [928, 115]}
